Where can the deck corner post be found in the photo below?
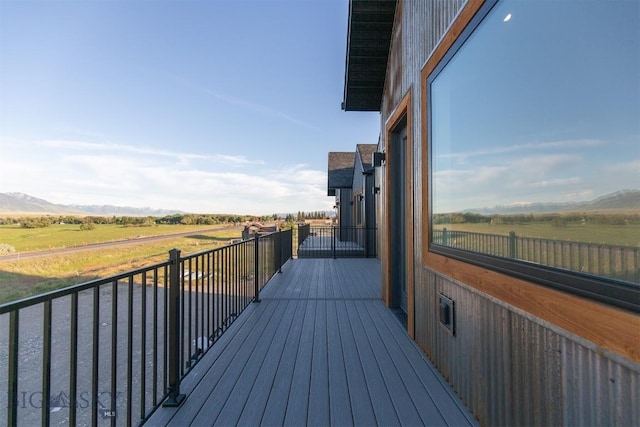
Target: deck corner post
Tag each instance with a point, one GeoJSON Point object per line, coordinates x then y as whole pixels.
{"type": "Point", "coordinates": [256, 275]}
{"type": "Point", "coordinates": [174, 398]}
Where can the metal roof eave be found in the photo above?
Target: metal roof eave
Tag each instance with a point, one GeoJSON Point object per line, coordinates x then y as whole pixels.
{"type": "Point", "coordinates": [368, 42]}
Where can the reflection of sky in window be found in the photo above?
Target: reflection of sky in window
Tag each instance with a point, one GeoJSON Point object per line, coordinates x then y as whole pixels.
{"type": "Point", "coordinates": [542, 108]}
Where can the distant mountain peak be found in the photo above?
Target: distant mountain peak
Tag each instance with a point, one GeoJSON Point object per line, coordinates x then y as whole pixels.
{"type": "Point", "coordinates": [24, 203]}
{"type": "Point", "coordinates": [626, 199]}
{"type": "Point", "coordinates": [24, 196]}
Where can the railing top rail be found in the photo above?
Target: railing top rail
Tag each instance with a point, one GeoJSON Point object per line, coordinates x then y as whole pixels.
{"type": "Point", "coordinates": [59, 293]}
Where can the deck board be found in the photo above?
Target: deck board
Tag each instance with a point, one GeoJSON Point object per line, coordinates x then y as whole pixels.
{"type": "Point", "coordinates": [318, 413]}
{"type": "Point", "coordinates": [339, 398]}
{"type": "Point", "coordinates": [360, 399]}
{"type": "Point", "coordinates": [276, 407]}
{"type": "Point", "coordinates": [298, 396]}
{"type": "Point", "coordinates": [320, 349]}
{"type": "Point", "coordinates": [384, 410]}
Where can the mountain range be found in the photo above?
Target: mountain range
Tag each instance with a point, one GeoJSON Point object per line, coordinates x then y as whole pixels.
{"type": "Point", "coordinates": [24, 203]}
{"type": "Point", "coordinates": [619, 200]}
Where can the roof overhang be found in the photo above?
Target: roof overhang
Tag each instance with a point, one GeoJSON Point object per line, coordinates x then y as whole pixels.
{"type": "Point", "coordinates": [368, 43]}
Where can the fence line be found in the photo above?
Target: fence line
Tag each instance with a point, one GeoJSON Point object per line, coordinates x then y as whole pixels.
{"type": "Point", "coordinates": [114, 349]}
{"type": "Point", "coordinates": [616, 262]}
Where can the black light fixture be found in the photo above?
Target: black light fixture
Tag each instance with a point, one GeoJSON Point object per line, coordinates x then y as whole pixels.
{"type": "Point", "coordinates": [377, 158]}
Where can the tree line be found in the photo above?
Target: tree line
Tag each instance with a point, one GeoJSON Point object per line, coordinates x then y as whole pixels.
{"type": "Point", "coordinates": [556, 219]}
{"type": "Point", "coordinates": [137, 221]}
{"type": "Point", "coordinates": [88, 222]}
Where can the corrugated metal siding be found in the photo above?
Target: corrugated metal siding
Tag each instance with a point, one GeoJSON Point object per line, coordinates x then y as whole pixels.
{"type": "Point", "coordinates": [393, 87]}
{"type": "Point", "coordinates": [535, 374]}
{"type": "Point", "coordinates": [511, 369]}
{"type": "Point", "coordinates": [598, 390]}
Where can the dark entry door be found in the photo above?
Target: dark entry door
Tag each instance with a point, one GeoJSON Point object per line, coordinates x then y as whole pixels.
{"type": "Point", "coordinates": [398, 217]}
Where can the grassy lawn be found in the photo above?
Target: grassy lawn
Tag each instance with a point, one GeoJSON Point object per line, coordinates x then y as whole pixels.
{"type": "Point", "coordinates": [64, 235]}
{"type": "Point", "coordinates": [619, 235]}
{"type": "Point", "coordinates": [23, 278]}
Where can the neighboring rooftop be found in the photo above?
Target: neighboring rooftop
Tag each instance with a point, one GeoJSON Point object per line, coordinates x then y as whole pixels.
{"type": "Point", "coordinates": [368, 43]}
{"type": "Point", "coordinates": [340, 174]}
{"type": "Point", "coordinates": [365, 151]}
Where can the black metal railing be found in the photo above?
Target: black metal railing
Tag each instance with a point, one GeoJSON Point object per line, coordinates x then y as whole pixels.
{"type": "Point", "coordinates": [336, 242]}
{"type": "Point", "coordinates": [303, 232]}
{"type": "Point", "coordinates": [112, 350]}
{"type": "Point", "coordinates": [616, 262]}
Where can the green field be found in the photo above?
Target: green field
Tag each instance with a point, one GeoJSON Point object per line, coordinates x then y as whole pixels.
{"type": "Point", "coordinates": [619, 235]}
{"type": "Point", "coordinates": [23, 278]}
{"type": "Point", "coordinates": [65, 235]}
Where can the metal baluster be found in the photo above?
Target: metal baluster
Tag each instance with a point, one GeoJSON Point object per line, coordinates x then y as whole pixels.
{"type": "Point", "coordinates": [46, 364]}
{"type": "Point", "coordinates": [143, 344]}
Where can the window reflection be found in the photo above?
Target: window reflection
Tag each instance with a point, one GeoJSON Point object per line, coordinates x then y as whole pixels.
{"type": "Point", "coordinates": [535, 137]}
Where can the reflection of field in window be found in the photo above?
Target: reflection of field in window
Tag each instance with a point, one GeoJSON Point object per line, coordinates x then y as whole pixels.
{"type": "Point", "coordinates": [535, 137]}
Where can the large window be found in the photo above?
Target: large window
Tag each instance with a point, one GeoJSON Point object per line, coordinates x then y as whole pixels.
{"type": "Point", "coordinates": [534, 121]}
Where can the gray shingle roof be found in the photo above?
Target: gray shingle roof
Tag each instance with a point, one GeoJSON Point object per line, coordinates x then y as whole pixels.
{"type": "Point", "coordinates": [340, 173]}
{"type": "Point", "coordinates": [365, 151]}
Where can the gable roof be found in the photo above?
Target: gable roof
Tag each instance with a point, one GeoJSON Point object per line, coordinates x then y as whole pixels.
{"type": "Point", "coordinates": [340, 173]}
{"type": "Point", "coordinates": [364, 152]}
{"type": "Point", "coordinates": [368, 43]}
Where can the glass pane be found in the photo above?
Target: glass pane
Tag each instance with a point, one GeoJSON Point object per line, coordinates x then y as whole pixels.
{"type": "Point", "coordinates": [535, 137]}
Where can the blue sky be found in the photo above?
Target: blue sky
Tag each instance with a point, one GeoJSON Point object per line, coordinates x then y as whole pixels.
{"type": "Point", "coordinates": [213, 106]}
{"type": "Point", "coordinates": [541, 107]}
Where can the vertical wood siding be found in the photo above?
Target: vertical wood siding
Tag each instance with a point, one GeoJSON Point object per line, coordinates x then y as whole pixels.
{"type": "Point", "coordinates": [509, 367]}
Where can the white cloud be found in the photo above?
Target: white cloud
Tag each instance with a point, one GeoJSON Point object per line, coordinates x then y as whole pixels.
{"type": "Point", "coordinates": [183, 157]}
{"type": "Point", "coordinates": [561, 182]}
{"type": "Point", "coordinates": [573, 144]}
{"type": "Point", "coordinates": [243, 103]}
{"type": "Point", "coordinates": [79, 172]}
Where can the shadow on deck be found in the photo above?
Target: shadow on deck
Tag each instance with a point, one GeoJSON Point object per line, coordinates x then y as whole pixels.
{"type": "Point", "coordinates": [319, 349]}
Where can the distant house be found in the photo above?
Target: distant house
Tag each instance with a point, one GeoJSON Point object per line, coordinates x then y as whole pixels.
{"type": "Point", "coordinates": [250, 230]}
{"type": "Point", "coordinates": [364, 196]}
{"type": "Point", "coordinates": [351, 180]}
{"type": "Point", "coordinates": [340, 185]}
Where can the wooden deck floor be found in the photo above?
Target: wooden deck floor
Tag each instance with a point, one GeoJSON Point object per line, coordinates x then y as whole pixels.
{"type": "Point", "coordinates": [320, 349]}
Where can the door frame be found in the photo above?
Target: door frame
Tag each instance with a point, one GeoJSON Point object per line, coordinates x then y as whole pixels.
{"type": "Point", "coordinates": [402, 111]}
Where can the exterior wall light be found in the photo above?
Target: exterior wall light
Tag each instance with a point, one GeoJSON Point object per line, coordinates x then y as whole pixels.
{"type": "Point", "coordinates": [377, 159]}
